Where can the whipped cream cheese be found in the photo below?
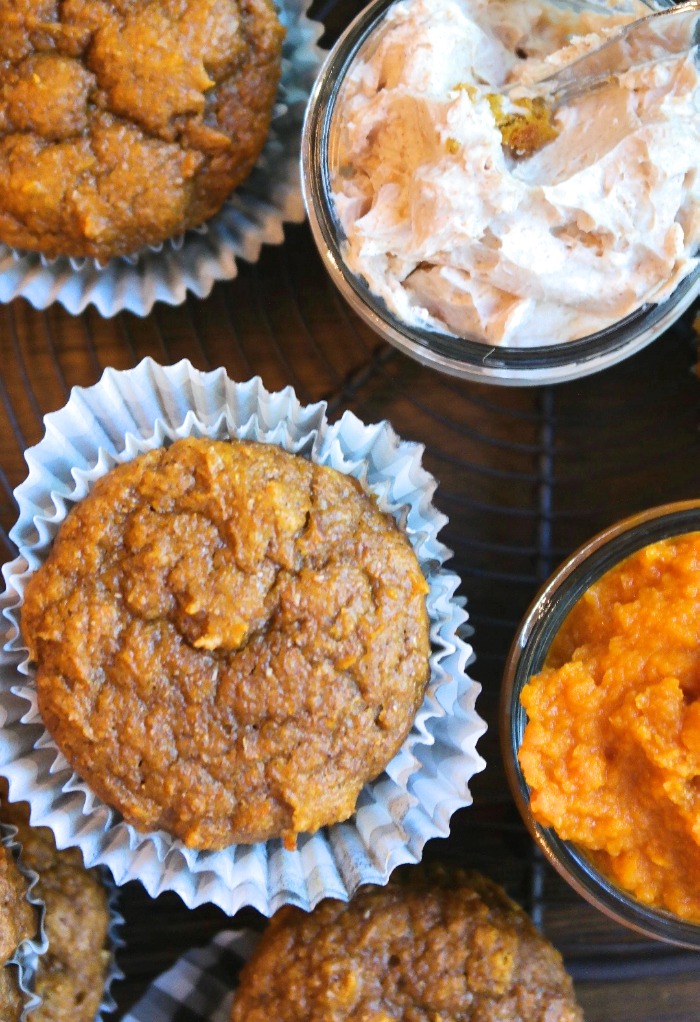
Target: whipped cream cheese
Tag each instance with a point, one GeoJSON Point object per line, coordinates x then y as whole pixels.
{"type": "Point", "coordinates": [455, 233]}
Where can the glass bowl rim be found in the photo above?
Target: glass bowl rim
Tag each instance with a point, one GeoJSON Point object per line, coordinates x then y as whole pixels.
{"type": "Point", "coordinates": [529, 647]}
{"type": "Point", "coordinates": [457, 356]}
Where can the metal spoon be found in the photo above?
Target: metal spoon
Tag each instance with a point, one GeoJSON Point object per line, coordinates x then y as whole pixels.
{"type": "Point", "coordinates": [526, 121]}
{"type": "Point", "coordinates": [655, 37]}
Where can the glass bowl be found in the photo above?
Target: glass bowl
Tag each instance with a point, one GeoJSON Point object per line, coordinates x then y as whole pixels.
{"type": "Point", "coordinates": [470, 359]}
{"type": "Point", "coordinates": [526, 658]}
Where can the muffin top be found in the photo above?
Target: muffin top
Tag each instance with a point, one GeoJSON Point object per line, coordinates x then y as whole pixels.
{"type": "Point", "coordinates": [70, 976]}
{"type": "Point", "coordinates": [437, 946]}
{"type": "Point", "coordinates": [230, 641]}
{"type": "Point", "coordinates": [123, 122]}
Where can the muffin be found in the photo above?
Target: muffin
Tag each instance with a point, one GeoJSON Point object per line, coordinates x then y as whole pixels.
{"type": "Point", "coordinates": [133, 411]}
{"type": "Point", "coordinates": [457, 235]}
{"type": "Point", "coordinates": [437, 946]}
{"type": "Point", "coordinates": [18, 922]}
{"type": "Point", "coordinates": [230, 641]}
{"type": "Point", "coordinates": [11, 1000]}
{"type": "Point", "coordinates": [124, 122]}
{"type": "Point", "coordinates": [70, 975]}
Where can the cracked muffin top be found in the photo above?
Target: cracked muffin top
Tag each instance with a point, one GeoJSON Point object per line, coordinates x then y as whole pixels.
{"type": "Point", "coordinates": [124, 122]}
{"type": "Point", "coordinates": [437, 946]}
{"type": "Point", "coordinates": [230, 641]}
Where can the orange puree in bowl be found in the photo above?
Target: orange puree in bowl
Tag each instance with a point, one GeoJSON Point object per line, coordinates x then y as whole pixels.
{"type": "Point", "coordinates": [611, 750]}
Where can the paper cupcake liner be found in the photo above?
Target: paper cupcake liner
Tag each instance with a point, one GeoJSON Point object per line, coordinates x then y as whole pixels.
{"type": "Point", "coordinates": [253, 215]}
{"type": "Point", "coordinates": [132, 411]}
{"type": "Point", "coordinates": [29, 952]}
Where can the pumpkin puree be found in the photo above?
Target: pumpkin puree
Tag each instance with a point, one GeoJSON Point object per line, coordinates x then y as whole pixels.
{"type": "Point", "coordinates": [611, 750]}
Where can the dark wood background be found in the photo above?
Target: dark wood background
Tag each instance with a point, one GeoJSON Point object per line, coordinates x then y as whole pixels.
{"type": "Point", "coordinates": [525, 476]}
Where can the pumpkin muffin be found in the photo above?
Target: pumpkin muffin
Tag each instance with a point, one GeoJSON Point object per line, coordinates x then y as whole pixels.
{"type": "Point", "coordinates": [438, 946]}
{"type": "Point", "coordinates": [70, 975]}
{"type": "Point", "coordinates": [16, 914]}
{"type": "Point", "coordinates": [18, 922]}
{"type": "Point", "coordinates": [230, 641]}
{"type": "Point", "coordinates": [124, 122]}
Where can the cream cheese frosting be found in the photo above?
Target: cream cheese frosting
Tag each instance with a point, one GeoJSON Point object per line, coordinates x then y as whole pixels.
{"type": "Point", "coordinates": [456, 234]}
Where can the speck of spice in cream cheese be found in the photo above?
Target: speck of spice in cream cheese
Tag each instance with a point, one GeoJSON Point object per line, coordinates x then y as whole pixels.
{"type": "Point", "coordinates": [456, 234]}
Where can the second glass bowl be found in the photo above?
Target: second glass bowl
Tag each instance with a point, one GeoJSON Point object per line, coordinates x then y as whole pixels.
{"type": "Point", "coordinates": [470, 359]}
{"type": "Point", "coordinates": [527, 657]}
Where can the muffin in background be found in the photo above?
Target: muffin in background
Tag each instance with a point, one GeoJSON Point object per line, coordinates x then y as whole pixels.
{"type": "Point", "coordinates": [431, 945]}
{"type": "Point", "coordinates": [71, 974]}
{"type": "Point", "coordinates": [124, 123]}
{"type": "Point", "coordinates": [18, 922]}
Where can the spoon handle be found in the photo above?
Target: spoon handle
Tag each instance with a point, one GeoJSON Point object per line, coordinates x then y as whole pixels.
{"type": "Point", "coordinates": [655, 37]}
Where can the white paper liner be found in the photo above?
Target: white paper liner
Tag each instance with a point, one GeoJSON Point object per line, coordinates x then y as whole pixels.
{"type": "Point", "coordinates": [131, 411]}
{"type": "Point", "coordinates": [253, 215]}
{"type": "Point", "coordinates": [27, 955]}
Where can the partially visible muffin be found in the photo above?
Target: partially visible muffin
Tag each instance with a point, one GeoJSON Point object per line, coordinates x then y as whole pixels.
{"type": "Point", "coordinates": [18, 922]}
{"type": "Point", "coordinates": [230, 641]}
{"type": "Point", "coordinates": [439, 946]}
{"type": "Point", "coordinates": [71, 974]}
{"type": "Point", "coordinates": [124, 122]}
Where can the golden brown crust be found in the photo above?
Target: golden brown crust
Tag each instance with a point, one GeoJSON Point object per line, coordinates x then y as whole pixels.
{"type": "Point", "coordinates": [123, 122]}
{"type": "Point", "coordinates": [70, 976]}
{"type": "Point", "coordinates": [18, 922]}
{"type": "Point", "coordinates": [230, 641]}
{"type": "Point", "coordinates": [451, 946]}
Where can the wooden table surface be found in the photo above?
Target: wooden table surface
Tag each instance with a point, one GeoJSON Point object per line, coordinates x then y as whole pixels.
{"type": "Point", "coordinates": [525, 476]}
